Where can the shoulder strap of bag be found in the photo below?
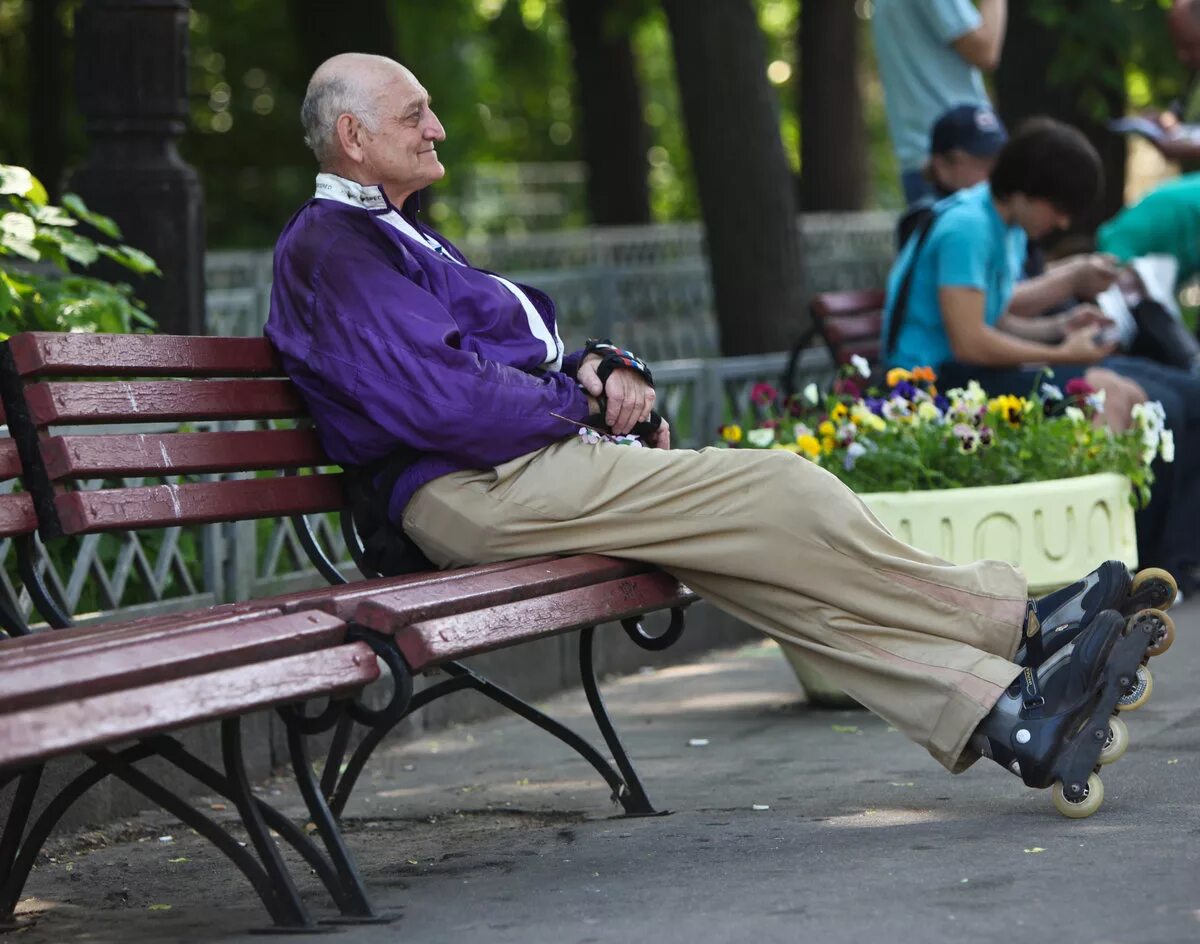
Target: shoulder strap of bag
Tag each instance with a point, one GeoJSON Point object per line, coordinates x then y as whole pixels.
{"type": "Point", "coordinates": [901, 306]}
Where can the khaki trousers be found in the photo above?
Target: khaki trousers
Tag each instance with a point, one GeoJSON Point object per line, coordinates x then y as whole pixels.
{"type": "Point", "coordinates": [772, 539]}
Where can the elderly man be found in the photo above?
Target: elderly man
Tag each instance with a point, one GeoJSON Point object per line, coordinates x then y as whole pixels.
{"type": "Point", "coordinates": [450, 385]}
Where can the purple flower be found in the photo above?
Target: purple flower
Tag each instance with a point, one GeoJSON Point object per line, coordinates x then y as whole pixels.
{"type": "Point", "coordinates": [875, 405]}
{"type": "Point", "coordinates": [942, 403]}
{"type": "Point", "coordinates": [904, 389]}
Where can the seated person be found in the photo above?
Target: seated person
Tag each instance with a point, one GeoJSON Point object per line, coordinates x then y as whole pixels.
{"type": "Point", "coordinates": [1165, 221]}
{"type": "Point", "coordinates": [452, 383]}
{"type": "Point", "coordinates": [953, 302]}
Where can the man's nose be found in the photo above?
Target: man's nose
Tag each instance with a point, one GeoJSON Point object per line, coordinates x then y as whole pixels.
{"type": "Point", "coordinates": [433, 128]}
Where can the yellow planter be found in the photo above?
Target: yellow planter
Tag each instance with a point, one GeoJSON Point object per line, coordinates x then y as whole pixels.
{"type": "Point", "coordinates": [1054, 531]}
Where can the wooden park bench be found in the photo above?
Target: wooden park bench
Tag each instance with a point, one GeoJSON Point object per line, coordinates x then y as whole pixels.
{"type": "Point", "coordinates": [74, 403]}
{"type": "Point", "coordinates": [848, 322]}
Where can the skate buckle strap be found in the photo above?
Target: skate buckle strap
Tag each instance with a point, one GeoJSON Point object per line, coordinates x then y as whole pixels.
{"type": "Point", "coordinates": [1034, 646]}
{"type": "Point", "coordinates": [612, 357]}
{"type": "Point", "coordinates": [1031, 691]}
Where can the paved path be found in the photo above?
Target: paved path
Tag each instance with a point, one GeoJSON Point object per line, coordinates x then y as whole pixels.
{"type": "Point", "coordinates": [483, 833]}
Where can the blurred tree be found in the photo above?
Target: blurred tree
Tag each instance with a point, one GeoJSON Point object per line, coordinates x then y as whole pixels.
{"type": "Point", "coordinates": [1085, 49]}
{"type": "Point", "coordinates": [47, 46]}
{"type": "Point", "coordinates": [833, 137]}
{"type": "Point", "coordinates": [322, 29]}
{"type": "Point", "coordinates": [613, 131]}
{"type": "Point", "coordinates": [742, 174]}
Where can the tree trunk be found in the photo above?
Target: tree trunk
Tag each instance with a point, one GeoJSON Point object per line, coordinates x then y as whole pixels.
{"type": "Point", "coordinates": [742, 175]}
{"type": "Point", "coordinates": [1023, 91]}
{"type": "Point", "coordinates": [833, 137]}
{"type": "Point", "coordinates": [614, 138]}
{"type": "Point", "coordinates": [324, 28]}
{"type": "Point", "coordinates": [47, 146]}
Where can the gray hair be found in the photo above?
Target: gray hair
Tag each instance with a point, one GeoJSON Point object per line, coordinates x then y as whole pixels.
{"type": "Point", "coordinates": [325, 101]}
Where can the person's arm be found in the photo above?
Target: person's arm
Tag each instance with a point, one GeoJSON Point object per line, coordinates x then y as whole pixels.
{"type": "Point", "coordinates": [973, 341]}
{"type": "Point", "coordinates": [1083, 276]}
{"type": "Point", "coordinates": [981, 47]}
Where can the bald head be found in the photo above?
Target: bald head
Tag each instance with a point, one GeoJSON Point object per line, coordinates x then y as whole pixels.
{"type": "Point", "coordinates": [351, 83]}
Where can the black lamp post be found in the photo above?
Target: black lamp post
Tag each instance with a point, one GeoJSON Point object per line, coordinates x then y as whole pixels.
{"type": "Point", "coordinates": [132, 89]}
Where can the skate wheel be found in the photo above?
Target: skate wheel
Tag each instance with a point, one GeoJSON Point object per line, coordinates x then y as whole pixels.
{"type": "Point", "coordinates": [1140, 693]}
{"type": "Point", "coordinates": [1117, 743]}
{"type": "Point", "coordinates": [1157, 584]}
{"type": "Point", "coordinates": [1163, 636]}
{"type": "Point", "coordinates": [1093, 796]}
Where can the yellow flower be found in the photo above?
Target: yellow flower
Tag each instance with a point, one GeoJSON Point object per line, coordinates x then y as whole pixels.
{"type": "Point", "coordinates": [927, 412]}
{"type": "Point", "coordinates": [828, 443]}
{"type": "Point", "coordinates": [839, 412]}
{"type": "Point", "coordinates": [787, 447]}
{"type": "Point", "coordinates": [731, 433]}
{"type": "Point", "coordinates": [1009, 408]}
{"type": "Point", "coordinates": [897, 374]}
{"type": "Point", "coordinates": [809, 445]}
{"type": "Point", "coordinates": [827, 429]}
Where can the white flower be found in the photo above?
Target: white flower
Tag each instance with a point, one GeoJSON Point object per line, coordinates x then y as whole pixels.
{"type": "Point", "coordinates": [811, 394]}
{"type": "Point", "coordinates": [895, 407]}
{"type": "Point", "coordinates": [1051, 392]}
{"type": "Point", "coordinates": [853, 451]}
{"type": "Point", "coordinates": [760, 438]}
{"type": "Point", "coordinates": [1167, 446]}
{"type": "Point", "coordinates": [1075, 415]}
{"type": "Point", "coordinates": [860, 363]}
{"type": "Point", "coordinates": [1096, 400]}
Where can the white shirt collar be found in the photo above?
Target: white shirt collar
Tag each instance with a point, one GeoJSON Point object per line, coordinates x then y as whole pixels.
{"type": "Point", "coordinates": [350, 192]}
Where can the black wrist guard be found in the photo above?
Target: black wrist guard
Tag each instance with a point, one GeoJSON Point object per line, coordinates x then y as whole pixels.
{"type": "Point", "coordinates": [644, 430]}
{"type": "Point", "coordinates": [612, 357]}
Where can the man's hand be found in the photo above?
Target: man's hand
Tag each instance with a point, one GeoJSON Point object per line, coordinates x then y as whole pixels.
{"type": "Point", "coordinates": [1080, 347]}
{"type": "Point", "coordinates": [1083, 316]}
{"type": "Point", "coordinates": [1093, 273]}
{"type": "Point", "coordinates": [630, 398]}
{"type": "Point", "coordinates": [662, 437]}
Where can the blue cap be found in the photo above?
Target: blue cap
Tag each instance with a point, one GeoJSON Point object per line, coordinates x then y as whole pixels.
{"type": "Point", "coordinates": [975, 129]}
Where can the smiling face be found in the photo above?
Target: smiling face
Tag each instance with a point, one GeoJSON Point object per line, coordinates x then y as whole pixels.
{"type": "Point", "coordinates": [401, 153]}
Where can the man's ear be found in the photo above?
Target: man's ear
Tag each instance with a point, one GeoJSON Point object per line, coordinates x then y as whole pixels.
{"type": "Point", "coordinates": [349, 135]}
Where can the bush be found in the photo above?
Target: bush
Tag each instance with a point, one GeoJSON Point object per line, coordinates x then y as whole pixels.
{"type": "Point", "coordinates": [39, 246]}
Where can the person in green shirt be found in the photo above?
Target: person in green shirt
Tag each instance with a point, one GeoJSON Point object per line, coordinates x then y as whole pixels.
{"type": "Point", "coordinates": [1166, 221]}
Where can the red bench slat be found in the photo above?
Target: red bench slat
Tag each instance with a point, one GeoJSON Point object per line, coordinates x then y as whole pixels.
{"type": "Point", "coordinates": [160, 506]}
{"type": "Point", "coordinates": [343, 600]}
{"type": "Point", "coordinates": [42, 353]}
{"type": "Point", "coordinates": [392, 611]}
{"type": "Point", "coordinates": [143, 401]}
{"type": "Point", "coordinates": [175, 453]}
{"type": "Point", "coordinates": [429, 643]}
{"type": "Point", "coordinates": [39, 733]}
{"type": "Point", "coordinates": [830, 304]}
{"type": "Point", "coordinates": [17, 516]}
{"type": "Point", "coordinates": [10, 462]}
{"type": "Point", "coordinates": [136, 661]}
{"type": "Point", "coordinates": [96, 637]}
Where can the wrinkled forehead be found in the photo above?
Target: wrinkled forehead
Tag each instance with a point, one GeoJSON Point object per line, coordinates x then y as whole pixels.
{"type": "Point", "coordinates": [399, 89]}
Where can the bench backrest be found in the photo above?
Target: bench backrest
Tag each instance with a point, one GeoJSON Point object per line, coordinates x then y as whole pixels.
{"type": "Point", "coordinates": [110, 381]}
{"type": "Point", "coordinates": [851, 323]}
{"type": "Point", "coordinates": [17, 516]}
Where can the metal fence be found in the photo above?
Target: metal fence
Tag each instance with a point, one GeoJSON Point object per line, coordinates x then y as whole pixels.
{"type": "Point", "coordinates": [648, 286]}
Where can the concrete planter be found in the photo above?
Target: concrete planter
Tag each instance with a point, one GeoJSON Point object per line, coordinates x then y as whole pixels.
{"type": "Point", "coordinates": [1054, 531]}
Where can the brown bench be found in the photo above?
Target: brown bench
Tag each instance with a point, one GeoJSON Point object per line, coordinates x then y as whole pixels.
{"type": "Point", "coordinates": [849, 323]}
{"type": "Point", "coordinates": [87, 688]}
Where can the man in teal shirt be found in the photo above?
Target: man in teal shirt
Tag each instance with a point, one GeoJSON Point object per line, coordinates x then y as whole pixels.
{"type": "Point", "coordinates": [930, 55]}
{"type": "Point", "coordinates": [1165, 221]}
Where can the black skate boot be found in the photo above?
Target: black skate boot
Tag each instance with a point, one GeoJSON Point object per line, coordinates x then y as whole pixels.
{"type": "Point", "coordinates": [1060, 726]}
{"type": "Point", "coordinates": [1053, 621]}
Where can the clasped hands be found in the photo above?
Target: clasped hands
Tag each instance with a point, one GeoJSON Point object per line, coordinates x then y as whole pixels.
{"type": "Point", "coordinates": [629, 399]}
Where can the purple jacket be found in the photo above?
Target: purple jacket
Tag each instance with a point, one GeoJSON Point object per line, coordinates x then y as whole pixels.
{"type": "Point", "coordinates": [393, 345]}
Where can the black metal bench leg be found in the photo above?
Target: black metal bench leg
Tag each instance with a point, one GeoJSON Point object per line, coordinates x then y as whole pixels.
{"type": "Point", "coordinates": [10, 844]}
{"type": "Point", "coordinates": [171, 750]}
{"type": "Point", "coordinates": [337, 751]}
{"type": "Point", "coordinates": [353, 902]}
{"type": "Point", "coordinates": [286, 908]}
{"type": "Point", "coordinates": [633, 799]}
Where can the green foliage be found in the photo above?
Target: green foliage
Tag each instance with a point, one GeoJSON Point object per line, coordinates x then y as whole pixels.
{"type": "Point", "coordinates": [40, 246]}
{"type": "Point", "coordinates": [909, 438]}
{"type": "Point", "coordinates": [1095, 37]}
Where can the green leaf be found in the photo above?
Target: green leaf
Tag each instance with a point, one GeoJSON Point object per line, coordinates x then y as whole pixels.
{"type": "Point", "coordinates": [133, 259]}
{"type": "Point", "coordinates": [53, 216]}
{"type": "Point", "coordinates": [16, 180]}
{"type": "Point", "coordinates": [78, 249]}
{"type": "Point", "coordinates": [106, 225]}
{"type": "Point", "coordinates": [17, 232]}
